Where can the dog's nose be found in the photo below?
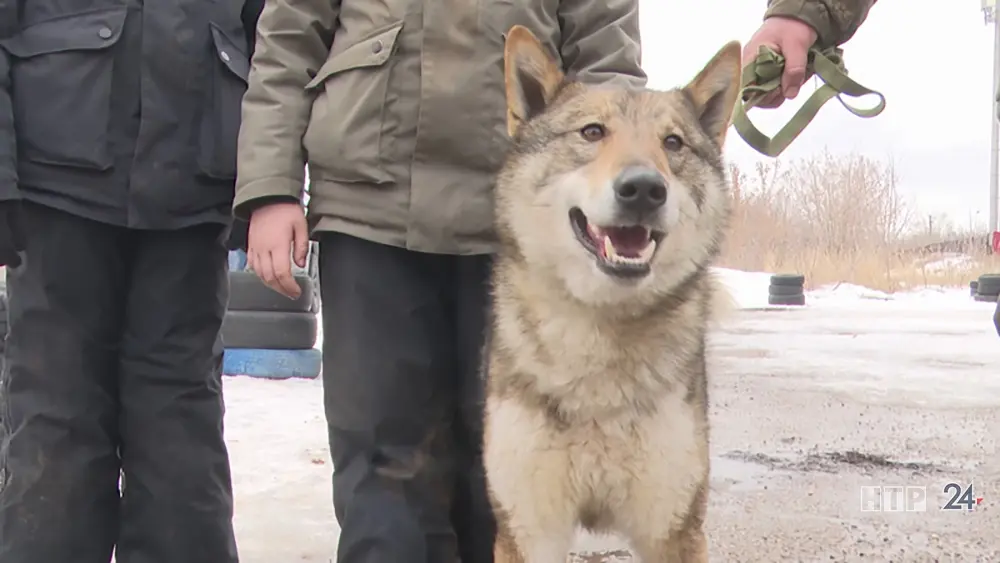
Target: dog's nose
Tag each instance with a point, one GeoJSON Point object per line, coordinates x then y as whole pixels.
{"type": "Point", "coordinates": [640, 189]}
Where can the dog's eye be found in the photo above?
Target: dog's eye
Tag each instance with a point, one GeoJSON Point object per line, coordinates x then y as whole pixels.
{"type": "Point", "coordinates": [593, 132]}
{"type": "Point", "coordinates": [673, 143]}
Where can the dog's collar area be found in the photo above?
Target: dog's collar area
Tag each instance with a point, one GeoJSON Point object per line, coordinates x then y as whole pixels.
{"type": "Point", "coordinates": [620, 251]}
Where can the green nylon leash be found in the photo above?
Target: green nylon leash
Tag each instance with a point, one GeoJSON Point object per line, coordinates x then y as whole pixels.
{"type": "Point", "coordinates": [764, 76]}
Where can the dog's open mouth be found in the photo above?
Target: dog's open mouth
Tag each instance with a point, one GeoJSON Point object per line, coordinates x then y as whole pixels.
{"type": "Point", "coordinates": [622, 250]}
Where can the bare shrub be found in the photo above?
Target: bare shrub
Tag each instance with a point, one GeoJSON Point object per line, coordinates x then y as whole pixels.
{"type": "Point", "coordinates": [843, 219]}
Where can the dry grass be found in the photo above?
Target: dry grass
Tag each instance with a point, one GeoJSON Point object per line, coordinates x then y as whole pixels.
{"type": "Point", "coordinates": [844, 220]}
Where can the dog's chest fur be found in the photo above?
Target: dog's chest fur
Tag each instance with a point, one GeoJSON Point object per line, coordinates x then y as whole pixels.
{"type": "Point", "coordinates": [578, 365]}
{"type": "Point", "coordinates": [606, 412]}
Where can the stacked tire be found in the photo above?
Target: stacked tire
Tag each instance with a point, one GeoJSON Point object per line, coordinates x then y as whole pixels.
{"type": "Point", "coordinates": [988, 288]}
{"type": "Point", "coordinates": [267, 334]}
{"type": "Point", "coordinates": [787, 289]}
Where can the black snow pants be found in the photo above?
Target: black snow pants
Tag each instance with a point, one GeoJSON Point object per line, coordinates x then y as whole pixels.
{"type": "Point", "coordinates": [113, 364]}
{"type": "Point", "coordinates": [401, 353]}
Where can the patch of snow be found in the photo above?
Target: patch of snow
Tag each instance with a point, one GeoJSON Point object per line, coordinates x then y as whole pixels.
{"type": "Point", "coordinates": [750, 289]}
{"type": "Point", "coordinates": [950, 261]}
{"type": "Point", "coordinates": [848, 291]}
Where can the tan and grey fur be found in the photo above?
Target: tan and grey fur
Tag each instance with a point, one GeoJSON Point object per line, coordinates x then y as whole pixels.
{"type": "Point", "coordinates": [596, 410]}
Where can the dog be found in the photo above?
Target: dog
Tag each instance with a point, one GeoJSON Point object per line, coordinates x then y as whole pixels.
{"type": "Point", "coordinates": [610, 209]}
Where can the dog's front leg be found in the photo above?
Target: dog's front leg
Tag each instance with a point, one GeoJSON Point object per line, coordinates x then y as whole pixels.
{"type": "Point", "coordinates": [533, 546]}
{"type": "Point", "coordinates": [529, 544]}
{"type": "Point", "coordinates": [685, 544]}
{"type": "Point", "coordinates": [664, 516]}
{"type": "Point", "coordinates": [528, 474]}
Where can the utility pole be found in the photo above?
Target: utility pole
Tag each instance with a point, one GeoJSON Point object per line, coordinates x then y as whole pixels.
{"type": "Point", "coordinates": [990, 15]}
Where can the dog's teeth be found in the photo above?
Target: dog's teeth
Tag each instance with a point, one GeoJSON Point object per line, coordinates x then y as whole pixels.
{"type": "Point", "coordinates": [609, 249]}
{"type": "Point", "coordinates": [647, 253]}
{"type": "Point", "coordinates": [611, 253]}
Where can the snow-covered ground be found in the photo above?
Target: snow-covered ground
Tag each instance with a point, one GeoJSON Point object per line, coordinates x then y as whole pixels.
{"type": "Point", "coordinates": [797, 395]}
{"type": "Point", "coordinates": [950, 261]}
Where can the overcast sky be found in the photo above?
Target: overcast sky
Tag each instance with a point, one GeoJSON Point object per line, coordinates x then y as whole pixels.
{"type": "Point", "coordinates": [936, 128]}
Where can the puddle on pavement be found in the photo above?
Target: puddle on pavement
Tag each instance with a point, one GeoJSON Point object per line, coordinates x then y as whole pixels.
{"type": "Point", "coordinates": [739, 474]}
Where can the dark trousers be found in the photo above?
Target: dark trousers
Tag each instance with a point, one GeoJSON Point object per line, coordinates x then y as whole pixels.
{"type": "Point", "coordinates": [113, 364]}
{"type": "Point", "coordinates": [403, 394]}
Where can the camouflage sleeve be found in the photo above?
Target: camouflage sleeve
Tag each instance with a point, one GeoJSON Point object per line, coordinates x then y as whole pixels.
{"type": "Point", "coordinates": [600, 41]}
{"type": "Point", "coordinates": [835, 21]}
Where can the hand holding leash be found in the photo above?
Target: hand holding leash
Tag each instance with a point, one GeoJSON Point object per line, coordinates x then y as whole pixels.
{"type": "Point", "coordinates": [791, 39]}
{"type": "Point", "coordinates": [781, 65]}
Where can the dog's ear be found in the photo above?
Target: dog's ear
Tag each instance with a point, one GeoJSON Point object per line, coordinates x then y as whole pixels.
{"type": "Point", "coordinates": [531, 76]}
{"type": "Point", "coordinates": [716, 89]}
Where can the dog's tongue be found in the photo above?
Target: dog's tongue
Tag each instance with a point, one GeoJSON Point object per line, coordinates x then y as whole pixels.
{"type": "Point", "coordinates": [628, 241]}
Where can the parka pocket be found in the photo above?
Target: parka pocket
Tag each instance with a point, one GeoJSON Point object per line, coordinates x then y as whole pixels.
{"type": "Point", "coordinates": [61, 79]}
{"type": "Point", "coordinates": [220, 121]}
{"type": "Point", "coordinates": [344, 138]}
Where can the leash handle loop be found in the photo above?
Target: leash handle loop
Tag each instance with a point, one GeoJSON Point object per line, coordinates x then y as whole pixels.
{"type": "Point", "coordinates": [763, 76]}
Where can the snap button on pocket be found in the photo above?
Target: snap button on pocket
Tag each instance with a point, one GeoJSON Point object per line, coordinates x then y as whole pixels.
{"type": "Point", "coordinates": [377, 46]}
{"type": "Point", "coordinates": [104, 33]}
{"type": "Point", "coordinates": [224, 55]}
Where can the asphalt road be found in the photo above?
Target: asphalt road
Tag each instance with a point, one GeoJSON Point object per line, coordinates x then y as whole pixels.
{"type": "Point", "coordinates": [808, 407]}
